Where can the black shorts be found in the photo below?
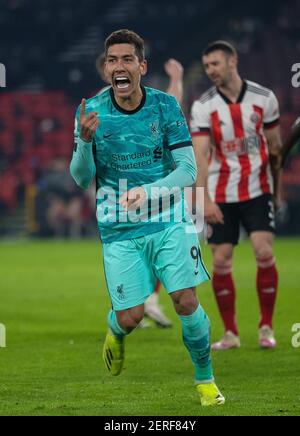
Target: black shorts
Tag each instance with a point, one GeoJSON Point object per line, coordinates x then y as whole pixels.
{"type": "Point", "coordinates": [257, 215]}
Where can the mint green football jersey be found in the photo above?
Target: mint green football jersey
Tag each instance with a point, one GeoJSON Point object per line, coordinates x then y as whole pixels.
{"type": "Point", "coordinates": [133, 148]}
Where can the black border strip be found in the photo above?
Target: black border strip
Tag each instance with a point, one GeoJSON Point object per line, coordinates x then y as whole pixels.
{"type": "Point", "coordinates": [124, 111]}
{"type": "Point", "coordinates": [272, 124]}
{"type": "Point", "coordinates": [240, 98]}
{"type": "Point", "coordinates": [181, 145]}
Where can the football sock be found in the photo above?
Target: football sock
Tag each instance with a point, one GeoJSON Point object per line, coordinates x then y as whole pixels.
{"type": "Point", "coordinates": [117, 331]}
{"type": "Point", "coordinates": [267, 287]}
{"type": "Point", "coordinates": [196, 338]}
{"type": "Point", "coordinates": [225, 293]}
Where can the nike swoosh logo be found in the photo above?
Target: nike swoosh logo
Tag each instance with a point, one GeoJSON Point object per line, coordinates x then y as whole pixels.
{"type": "Point", "coordinates": [108, 136]}
{"type": "Point", "coordinates": [196, 273]}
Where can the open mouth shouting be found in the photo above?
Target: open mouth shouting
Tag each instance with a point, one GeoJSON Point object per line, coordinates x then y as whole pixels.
{"type": "Point", "coordinates": [122, 83]}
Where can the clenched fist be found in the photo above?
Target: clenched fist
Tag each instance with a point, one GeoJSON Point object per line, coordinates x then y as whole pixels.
{"type": "Point", "coordinates": [174, 69]}
{"type": "Point", "coordinates": [88, 123]}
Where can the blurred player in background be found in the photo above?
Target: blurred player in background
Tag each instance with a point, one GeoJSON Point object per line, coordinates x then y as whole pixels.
{"type": "Point", "coordinates": [175, 71]}
{"type": "Point", "coordinates": [237, 142]}
{"type": "Point", "coordinates": [145, 131]}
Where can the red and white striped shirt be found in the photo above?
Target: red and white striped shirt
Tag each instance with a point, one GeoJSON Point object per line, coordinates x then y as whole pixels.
{"type": "Point", "coordinates": [239, 169]}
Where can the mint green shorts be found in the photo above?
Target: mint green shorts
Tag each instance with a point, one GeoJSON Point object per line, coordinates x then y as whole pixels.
{"type": "Point", "coordinates": [132, 267]}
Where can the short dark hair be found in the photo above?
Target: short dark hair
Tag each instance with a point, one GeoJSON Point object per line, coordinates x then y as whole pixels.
{"type": "Point", "coordinates": [125, 36]}
{"type": "Point", "coordinates": [224, 46]}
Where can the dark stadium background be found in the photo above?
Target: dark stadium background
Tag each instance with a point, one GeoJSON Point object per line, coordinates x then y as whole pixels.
{"type": "Point", "coordinates": [49, 49]}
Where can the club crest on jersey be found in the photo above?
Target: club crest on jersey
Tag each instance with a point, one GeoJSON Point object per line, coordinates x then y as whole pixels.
{"type": "Point", "coordinates": [255, 118]}
{"type": "Point", "coordinates": [155, 128]}
{"type": "Point", "coordinates": [158, 154]}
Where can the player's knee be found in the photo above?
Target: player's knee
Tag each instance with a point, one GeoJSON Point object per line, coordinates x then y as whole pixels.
{"type": "Point", "coordinates": [222, 261]}
{"type": "Point", "coordinates": [136, 318]}
{"type": "Point", "coordinates": [222, 268]}
{"type": "Point", "coordinates": [126, 322]}
{"type": "Point", "coordinates": [185, 302]}
{"type": "Point", "coordinates": [128, 325]}
{"type": "Point", "coordinates": [130, 319]}
{"type": "Point", "coordinates": [222, 255]}
{"type": "Point", "coordinates": [264, 252]}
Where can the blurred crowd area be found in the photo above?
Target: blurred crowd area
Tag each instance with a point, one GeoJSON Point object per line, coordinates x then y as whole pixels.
{"type": "Point", "coordinates": [49, 50]}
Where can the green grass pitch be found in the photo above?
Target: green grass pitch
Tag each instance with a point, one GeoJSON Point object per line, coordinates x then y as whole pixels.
{"type": "Point", "coordinates": [53, 302]}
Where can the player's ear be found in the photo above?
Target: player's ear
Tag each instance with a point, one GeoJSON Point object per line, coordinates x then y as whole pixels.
{"type": "Point", "coordinates": [144, 67]}
{"type": "Point", "coordinates": [104, 69]}
{"type": "Point", "coordinates": [233, 61]}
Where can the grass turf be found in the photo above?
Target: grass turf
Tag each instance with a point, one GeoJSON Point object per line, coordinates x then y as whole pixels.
{"type": "Point", "coordinates": [53, 302]}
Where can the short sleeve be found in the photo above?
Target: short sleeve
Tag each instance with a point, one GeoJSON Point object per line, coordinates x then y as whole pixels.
{"type": "Point", "coordinates": [271, 112]}
{"type": "Point", "coordinates": [200, 123]}
{"type": "Point", "coordinates": [177, 130]}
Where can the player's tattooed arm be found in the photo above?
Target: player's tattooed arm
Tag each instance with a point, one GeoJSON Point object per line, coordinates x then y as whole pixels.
{"type": "Point", "coordinates": [275, 150]}
{"type": "Point", "coordinates": [275, 146]}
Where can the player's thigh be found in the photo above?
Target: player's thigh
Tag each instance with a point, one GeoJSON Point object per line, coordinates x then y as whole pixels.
{"type": "Point", "coordinates": [178, 260]}
{"type": "Point", "coordinates": [258, 215]}
{"type": "Point", "coordinates": [229, 232]}
{"type": "Point", "coordinates": [129, 279]}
